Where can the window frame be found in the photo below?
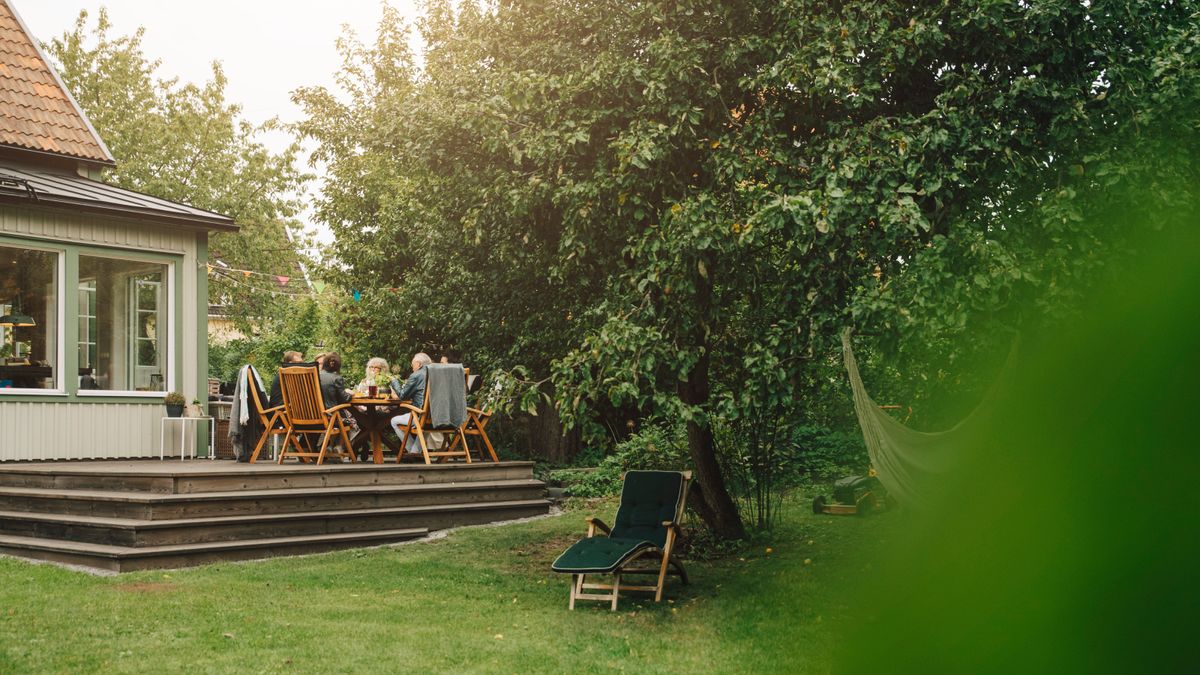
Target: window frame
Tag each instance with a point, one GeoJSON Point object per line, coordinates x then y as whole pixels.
{"type": "Point", "coordinates": [60, 382]}
{"type": "Point", "coordinates": [169, 367]}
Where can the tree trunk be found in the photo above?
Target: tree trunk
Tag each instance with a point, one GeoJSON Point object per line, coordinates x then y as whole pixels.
{"type": "Point", "coordinates": [547, 438]}
{"type": "Point", "coordinates": [712, 502]}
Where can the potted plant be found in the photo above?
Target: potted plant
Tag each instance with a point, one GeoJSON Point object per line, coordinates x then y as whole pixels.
{"type": "Point", "coordinates": [383, 381]}
{"type": "Point", "coordinates": [194, 410]}
{"type": "Point", "coordinates": [174, 402]}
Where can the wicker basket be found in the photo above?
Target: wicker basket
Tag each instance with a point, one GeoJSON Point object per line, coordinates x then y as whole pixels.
{"type": "Point", "coordinates": [223, 444]}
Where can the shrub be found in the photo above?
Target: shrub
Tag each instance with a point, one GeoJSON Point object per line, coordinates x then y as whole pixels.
{"type": "Point", "coordinates": [659, 446]}
{"type": "Point", "coordinates": [823, 454]}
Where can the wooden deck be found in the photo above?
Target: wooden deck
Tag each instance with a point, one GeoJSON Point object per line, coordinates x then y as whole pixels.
{"type": "Point", "coordinates": [140, 514]}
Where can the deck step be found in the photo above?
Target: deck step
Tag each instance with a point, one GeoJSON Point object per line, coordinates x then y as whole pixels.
{"type": "Point", "coordinates": [124, 515]}
{"type": "Point", "coordinates": [155, 506]}
{"type": "Point", "coordinates": [126, 558]}
{"type": "Point", "coordinates": [170, 478]}
{"type": "Point", "coordinates": [138, 533]}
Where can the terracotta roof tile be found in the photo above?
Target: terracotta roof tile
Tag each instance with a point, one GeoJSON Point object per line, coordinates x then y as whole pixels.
{"type": "Point", "coordinates": [36, 113]}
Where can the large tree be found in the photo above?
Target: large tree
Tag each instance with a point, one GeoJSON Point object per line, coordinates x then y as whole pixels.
{"type": "Point", "coordinates": [187, 143]}
{"type": "Point", "coordinates": [698, 196]}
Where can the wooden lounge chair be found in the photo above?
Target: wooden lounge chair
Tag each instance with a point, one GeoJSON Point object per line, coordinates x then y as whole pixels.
{"type": "Point", "coordinates": [305, 414]}
{"type": "Point", "coordinates": [420, 422]}
{"type": "Point", "coordinates": [646, 527]}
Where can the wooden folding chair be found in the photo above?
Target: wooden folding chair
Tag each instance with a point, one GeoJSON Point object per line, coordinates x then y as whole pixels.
{"type": "Point", "coordinates": [476, 425]}
{"type": "Point", "coordinates": [271, 420]}
{"type": "Point", "coordinates": [305, 414]}
{"type": "Point", "coordinates": [420, 423]}
{"type": "Point", "coordinates": [646, 527]}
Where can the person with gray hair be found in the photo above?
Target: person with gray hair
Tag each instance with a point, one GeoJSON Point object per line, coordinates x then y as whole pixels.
{"type": "Point", "coordinates": [375, 367]}
{"type": "Point", "coordinates": [412, 390]}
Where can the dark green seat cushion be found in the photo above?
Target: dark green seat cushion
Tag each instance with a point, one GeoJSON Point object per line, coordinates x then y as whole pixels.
{"type": "Point", "coordinates": [598, 555]}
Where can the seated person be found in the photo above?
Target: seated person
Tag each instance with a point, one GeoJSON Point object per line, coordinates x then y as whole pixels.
{"type": "Point", "coordinates": [289, 359]}
{"type": "Point", "coordinates": [333, 386]}
{"type": "Point", "coordinates": [375, 367]}
{"type": "Point", "coordinates": [334, 391]}
{"type": "Point", "coordinates": [413, 390]}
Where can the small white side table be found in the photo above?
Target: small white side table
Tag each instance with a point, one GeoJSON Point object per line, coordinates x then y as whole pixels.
{"type": "Point", "coordinates": [183, 426]}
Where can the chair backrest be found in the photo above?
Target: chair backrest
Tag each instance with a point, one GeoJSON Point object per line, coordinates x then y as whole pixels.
{"type": "Point", "coordinates": [301, 387]}
{"type": "Point", "coordinates": [256, 396]}
{"type": "Point", "coordinates": [649, 498]}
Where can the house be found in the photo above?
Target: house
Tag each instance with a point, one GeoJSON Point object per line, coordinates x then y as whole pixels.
{"type": "Point", "coordinates": [103, 291]}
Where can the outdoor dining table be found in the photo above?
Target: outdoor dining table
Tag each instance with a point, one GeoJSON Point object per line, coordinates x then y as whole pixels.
{"type": "Point", "coordinates": [374, 415]}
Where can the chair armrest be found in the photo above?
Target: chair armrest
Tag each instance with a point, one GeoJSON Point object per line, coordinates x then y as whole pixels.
{"type": "Point", "coordinates": [594, 523]}
{"type": "Point", "coordinates": [337, 408]}
{"type": "Point", "coordinates": [275, 409]}
{"type": "Point", "coordinates": [410, 407]}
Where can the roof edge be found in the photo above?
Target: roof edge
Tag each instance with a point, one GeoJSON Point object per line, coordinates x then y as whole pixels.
{"type": "Point", "coordinates": [37, 46]}
{"type": "Point", "coordinates": [218, 224]}
{"type": "Point", "coordinates": [58, 156]}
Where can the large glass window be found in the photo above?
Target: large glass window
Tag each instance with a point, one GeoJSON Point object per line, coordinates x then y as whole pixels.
{"type": "Point", "coordinates": [123, 333]}
{"type": "Point", "coordinates": [28, 319]}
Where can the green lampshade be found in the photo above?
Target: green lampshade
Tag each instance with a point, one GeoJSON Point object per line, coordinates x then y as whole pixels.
{"type": "Point", "coordinates": [17, 320]}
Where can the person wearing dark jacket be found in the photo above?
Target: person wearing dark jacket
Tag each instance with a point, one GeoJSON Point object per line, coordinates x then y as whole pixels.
{"type": "Point", "coordinates": [333, 386]}
{"type": "Point", "coordinates": [413, 390]}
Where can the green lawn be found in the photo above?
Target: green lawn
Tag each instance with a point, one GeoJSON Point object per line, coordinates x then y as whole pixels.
{"type": "Point", "coordinates": [480, 600]}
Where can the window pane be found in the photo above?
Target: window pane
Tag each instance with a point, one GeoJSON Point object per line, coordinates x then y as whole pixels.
{"type": "Point", "coordinates": [128, 330]}
{"type": "Point", "coordinates": [28, 294]}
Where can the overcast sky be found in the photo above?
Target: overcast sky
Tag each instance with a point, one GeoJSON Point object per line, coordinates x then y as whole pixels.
{"type": "Point", "coordinates": [267, 47]}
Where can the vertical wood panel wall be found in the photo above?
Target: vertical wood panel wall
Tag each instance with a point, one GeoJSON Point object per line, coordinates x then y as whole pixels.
{"type": "Point", "coordinates": [75, 429]}
{"type": "Point", "coordinates": [39, 431]}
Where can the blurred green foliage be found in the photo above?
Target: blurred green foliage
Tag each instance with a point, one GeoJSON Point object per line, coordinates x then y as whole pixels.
{"type": "Point", "coordinates": [1065, 541]}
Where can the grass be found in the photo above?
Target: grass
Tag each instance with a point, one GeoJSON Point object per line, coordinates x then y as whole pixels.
{"type": "Point", "coordinates": [479, 600]}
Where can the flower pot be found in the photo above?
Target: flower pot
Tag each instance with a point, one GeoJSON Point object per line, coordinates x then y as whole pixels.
{"type": "Point", "coordinates": [174, 411]}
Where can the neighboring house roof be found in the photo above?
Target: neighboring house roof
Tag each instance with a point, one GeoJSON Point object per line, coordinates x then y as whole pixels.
{"type": "Point", "coordinates": [30, 187]}
{"type": "Point", "coordinates": [36, 111]}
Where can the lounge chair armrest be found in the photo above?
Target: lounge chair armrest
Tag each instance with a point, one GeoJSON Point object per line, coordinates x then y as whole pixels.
{"type": "Point", "coordinates": [271, 410]}
{"type": "Point", "coordinates": [596, 523]}
{"type": "Point", "coordinates": [410, 407]}
{"type": "Point", "coordinates": [336, 408]}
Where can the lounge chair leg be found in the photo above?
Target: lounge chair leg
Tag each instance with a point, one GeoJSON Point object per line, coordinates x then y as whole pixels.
{"type": "Point", "coordinates": [662, 577]}
{"type": "Point", "coordinates": [575, 581]}
{"type": "Point", "coordinates": [616, 589]}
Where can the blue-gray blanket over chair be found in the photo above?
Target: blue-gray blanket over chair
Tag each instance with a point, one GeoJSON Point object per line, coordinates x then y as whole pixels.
{"type": "Point", "coordinates": [447, 389]}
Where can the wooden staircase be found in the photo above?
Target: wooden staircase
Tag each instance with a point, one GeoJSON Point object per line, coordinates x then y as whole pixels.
{"type": "Point", "coordinates": [132, 515]}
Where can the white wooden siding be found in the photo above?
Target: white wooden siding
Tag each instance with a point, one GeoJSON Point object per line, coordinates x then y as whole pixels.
{"type": "Point", "coordinates": [78, 430]}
